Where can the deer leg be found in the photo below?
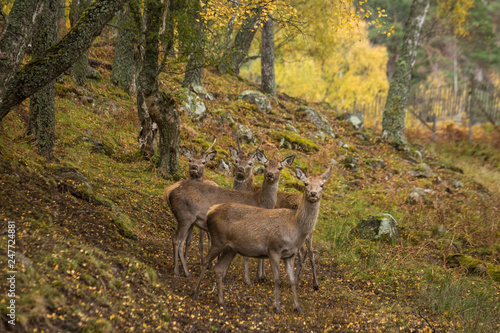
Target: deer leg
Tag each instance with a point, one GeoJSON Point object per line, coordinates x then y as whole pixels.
{"type": "Point", "coordinates": [212, 254]}
{"type": "Point", "coordinates": [178, 242]}
{"type": "Point", "coordinates": [200, 245]}
{"type": "Point", "coordinates": [293, 283]}
{"type": "Point", "coordinates": [181, 241]}
{"type": "Point", "coordinates": [188, 242]}
{"type": "Point", "coordinates": [274, 260]}
{"type": "Point", "coordinates": [311, 259]}
{"type": "Point", "coordinates": [260, 271]}
{"type": "Point", "coordinates": [221, 268]}
{"type": "Point", "coordinates": [246, 265]}
{"type": "Point", "coordinates": [301, 255]}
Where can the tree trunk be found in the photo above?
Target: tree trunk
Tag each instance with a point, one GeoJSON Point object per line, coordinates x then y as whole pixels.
{"type": "Point", "coordinates": [193, 77]}
{"type": "Point", "coordinates": [234, 57]}
{"type": "Point", "coordinates": [79, 69]}
{"type": "Point", "coordinates": [22, 18]}
{"type": "Point", "coordinates": [16, 87]}
{"type": "Point", "coordinates": [267, 59]}
{"type": "Point", "coordinates": [158, 108]}
{"type": "Point", "coordinates": [395, 107]}
{"type": "Point", "coordinates": [125, 59]}
{"type": "Point", "coordinates": [42, 119]}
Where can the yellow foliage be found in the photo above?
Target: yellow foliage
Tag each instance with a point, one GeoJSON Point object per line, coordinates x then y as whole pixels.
{"type": "Point", "coordinates": [341, 71]}
{"type": "Point", "coordinates": [456, 13]}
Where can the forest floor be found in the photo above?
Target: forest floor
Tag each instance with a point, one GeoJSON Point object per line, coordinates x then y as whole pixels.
{"type": "Point", "coordinates": [93, 233]}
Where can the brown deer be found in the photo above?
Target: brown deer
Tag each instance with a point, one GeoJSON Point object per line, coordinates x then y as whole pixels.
{"type": "Point", "coordinates": [263, 233]}
{"type": "Point", "coordinates": [190, 201]}
{"type": "Point", "coordinates": [197, 161]}
{"type": "Point", "coordinates": [243, 175]}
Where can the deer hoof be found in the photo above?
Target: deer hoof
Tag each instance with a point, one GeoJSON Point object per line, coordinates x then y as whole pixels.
{"type": "Point", "coordinates": [278, 310]}
{"type": "Point", "coordinates": [298, 310]}
{"type": "Point", "coordinates": [316, 287]}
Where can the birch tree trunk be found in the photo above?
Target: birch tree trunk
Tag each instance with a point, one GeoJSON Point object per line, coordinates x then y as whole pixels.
{"type": "Point", "coordinates": [193, 77]}
{"type": "Point", "coordinates": [79, 69]}
{"type": "Point", "coordinates": [124, 72]}
{"type": "Point", "coordinates": [395, 106]}
{"type": "Point", "coordinates": [42, 119]}
{"type": "Point", "coordinates": [235, 56]}
{"type": "Point", "coordinates": [267, 59]}
{"type": "Point", "coordinates": [159, 108]}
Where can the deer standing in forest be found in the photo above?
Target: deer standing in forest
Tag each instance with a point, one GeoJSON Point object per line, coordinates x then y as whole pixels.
{"type": "Point", "coordinates": [263, 233]}
{"type": "Point", "coordinates": [190, 201]}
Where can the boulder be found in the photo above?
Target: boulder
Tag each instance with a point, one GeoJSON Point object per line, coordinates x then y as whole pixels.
{"type": "Point", "coordinates": [258, 99]}
{"type": "Point", "coordinates": [382, 227]}
{"type": "Point", "coordinates": [191, 103]}
{"type": "Point", "coordinates": [355, 119]}
{"type": "Point", "coordinates": [245, 134]}
{"type": "Point", "coordinates": [320, 121]}
{"type": "Point", "coordinates": [223, 166]}
{"type": "Point", "coordinates": [422, 170]}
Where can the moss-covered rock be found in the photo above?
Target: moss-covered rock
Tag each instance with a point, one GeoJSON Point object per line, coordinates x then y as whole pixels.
{"type": "Point", "coordinates": [258, 99]}
{"type": "Point", "coordinates": [474, 266]}
{"type": "Point", "coordinates": [321, 122]}
{"type": "Point", "coordinates": [381, 227]}
{"type": "Point", "coordinates": [294, 141]}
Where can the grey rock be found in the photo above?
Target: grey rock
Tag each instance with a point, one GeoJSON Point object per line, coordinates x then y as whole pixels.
{"type": "Point", "coordinates": [376, 163]}
{"type": "Point", "coordinates": [457, 184]}
{"type": "Point", "coordinates": [355, 119]}
{"type": "Point", "coordinates": [191, 103]}
{"type": "Point", "coordinates": [246, 134]}
{"type": "Point", "coordinates": [289, 127]}
{"type": "Point", "coordinates": [343, 144]}
{"type": "Point", "coordinates": [258, 99]}
{"type": "Point", "coordinates": [320, 121]}
{"type": "Point", "coordinates": [382, 227]}
{"type": "Point", "coordinates": [319, 135]}
{"type": "Point", "coordinates": [224, 167]}
{"type": "Point", "coordinates": [422, 170]}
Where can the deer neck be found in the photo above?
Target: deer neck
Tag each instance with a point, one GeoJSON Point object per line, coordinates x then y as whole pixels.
{"type": "Point", "coordinates": [307, 215]}
{"type": "Point", "coordinates": [243, 184]}
{"type": "Point", "coordinates": [268, 194]}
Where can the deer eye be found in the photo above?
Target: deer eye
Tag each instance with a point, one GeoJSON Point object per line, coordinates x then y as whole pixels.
{"type": "Point", "coordinates": [236, 161]}
{"type": "Point", "coordinates": [306, 184]}
{"type": "Point", "coordinates": [204, 162]}
{"type": "Point", "coordinates": [280, 168]}
{"type": "Point", "coordinates": [250, 163]}
{"type": "Point", "coordinates": [322, 185]}
{"type": "Point", "coordinates": [189, 160]}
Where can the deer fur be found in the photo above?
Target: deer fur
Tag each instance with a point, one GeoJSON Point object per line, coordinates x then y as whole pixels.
{"type": "Point", "coordinates": [190, 201]}
{"type": "Point", "coordinates": [263, 233]}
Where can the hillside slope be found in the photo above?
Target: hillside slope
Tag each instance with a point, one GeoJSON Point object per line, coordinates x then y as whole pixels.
{"type": "Point", "coordinates": [94, 251]}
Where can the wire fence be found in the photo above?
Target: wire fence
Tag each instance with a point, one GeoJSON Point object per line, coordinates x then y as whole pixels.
{"type": "Point", "coordinates": [468, 104]}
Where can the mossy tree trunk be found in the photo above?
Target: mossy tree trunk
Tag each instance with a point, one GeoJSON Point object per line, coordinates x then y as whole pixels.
{"type": "Point", "coordinates": [395, 106]}
{"type": "Point", "coordinates": [42, 119]}
{"type": "Point", "coordinates": [158, 108]}
{"type": "Point", "coordinates": [193, 77]}
{"type": "Point", "coordinates": [267, 58]}
{"type": "Point", "coordinates": [124, 72]}
{"type": "Point", "coordinates": [79, 69]}
{"type": "Point", "coordinates": [18, 84]}
{"type": "Point", "coordinates": [235, 56]}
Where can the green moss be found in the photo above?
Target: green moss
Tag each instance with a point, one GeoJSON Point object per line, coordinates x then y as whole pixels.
{"type": "Point", "coordinates": [295, 141]}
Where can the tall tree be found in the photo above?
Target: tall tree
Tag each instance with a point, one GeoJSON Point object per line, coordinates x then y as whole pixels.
{"type": "Point", "coordinates": [18, 84]}
{"type": "Point", "coordinates": [193, 77]}
{"type": "Point", "coordinates": [267, 57]}
{"type": "Point", "coordinates": [158, 106]}
{"type": "Point", "coordinates": [125, 58]}
{"type": "Point", "coordinates": [80, 68]}
{"type": "Point", "coordinates": [234, 56]}
{"type": "Point", "coordinates": [395, 106]}
{"type": "Point", "coordinates": [42, 119]}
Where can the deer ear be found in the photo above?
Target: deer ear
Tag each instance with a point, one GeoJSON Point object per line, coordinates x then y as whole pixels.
{"type": "Point", "coordinates": [288, 161]}
{"type": "Point", "coordinates": [210, 156]}
{"type": "Point", "coordinates": [261, 157]}
{"type": "Point", "coordinates": [327, 174]}
{"type": "Point", "coordinates": [233, 152]}
{"type": "Point", "coordinates": [186, 152]}
{"type": "Point", "coordinates": [300, 174]}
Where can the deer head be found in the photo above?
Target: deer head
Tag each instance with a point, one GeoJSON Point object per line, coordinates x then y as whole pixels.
{"type": "Point", "coordinates": [197, 161]}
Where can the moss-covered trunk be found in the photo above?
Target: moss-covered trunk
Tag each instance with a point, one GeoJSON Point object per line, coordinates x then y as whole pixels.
{"type": "Point", "coordinates": [157, 108]}
{"type": "Point", "coordinates": [42, 121]}
{"type": "Point", "coordinates": [125, 58]}
{"type": "Point", "coordinates": [15, 88]}
{"type": "Point", "coordinates": [267, 58]}
{"type": "Point", "coordinates": [235, 56]}
{"type": "Point", "coordinates": [79, 69]}
{"type": "Point", "coordinates": [395, 106]}
{"type": "Point", "coordinates": [193, 77]}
